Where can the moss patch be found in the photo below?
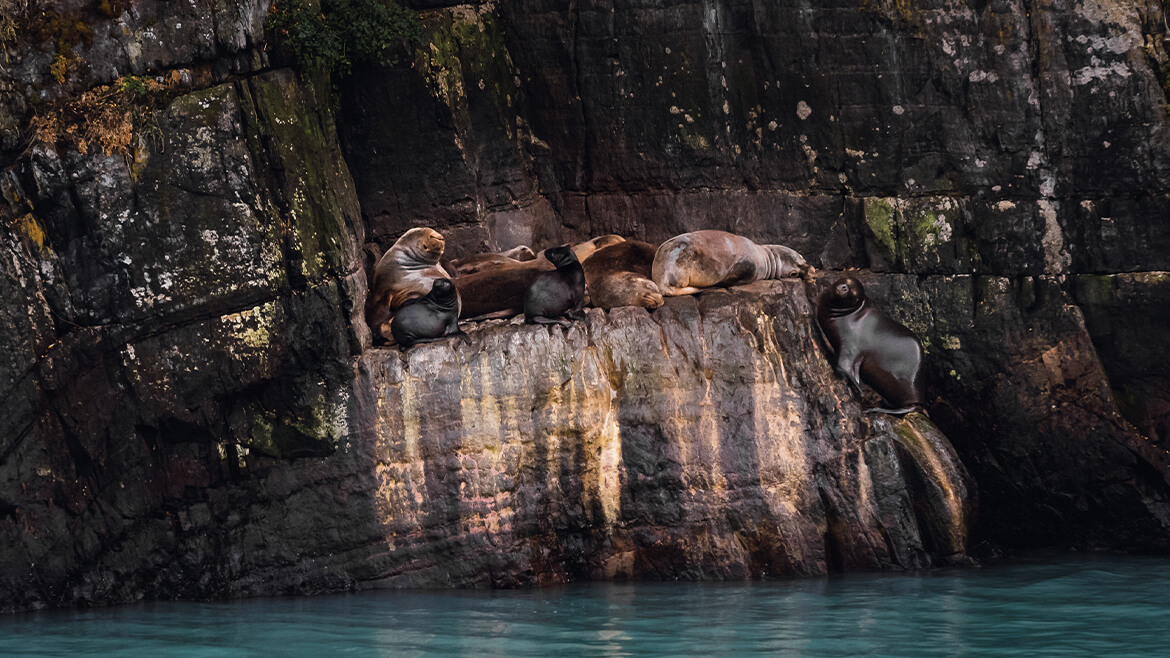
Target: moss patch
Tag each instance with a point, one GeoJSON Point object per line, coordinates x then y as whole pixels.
{"type": "Point", "coordinates": [31, 230]}
{"type": "Point", "coordinates": [108, 117]}
{"type": "Point", "coordinates": [336, 35]}
{"type": "Point", "coordinates": [880, 215]}
{"type": "Point", "coordinates": [289, 112]}
{"type": "Point", "coordinates": [913, 232]}
{"type": "Point", "coordinates": [464, 53]}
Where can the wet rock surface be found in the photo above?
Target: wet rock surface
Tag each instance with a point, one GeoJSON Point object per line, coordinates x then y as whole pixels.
{"type": "Point", "coordinates": [192, 408]}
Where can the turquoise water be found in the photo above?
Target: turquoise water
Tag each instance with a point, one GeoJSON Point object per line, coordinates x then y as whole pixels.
{"type": "Point", "coordinates": [1040, 607]}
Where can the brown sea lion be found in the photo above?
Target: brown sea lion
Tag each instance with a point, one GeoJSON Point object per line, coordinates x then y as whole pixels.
{"type": "Point", "coordinates": [871, 347]}
{"type": "Point", "coordinates": [404, 272]}
{"type": "Point", "coordinates": [427, 318]}
{"type": "Point", "coordinates": [498, 292]}
{"type": "Point", "coordinates": [702, 259]}
{"type": "Point", "coordinates": [585, 249]}
{"type": "Point", "coordinates": [480, 262]}
{"type": "Point", "coordinates": [520, 253]}
{"type": "Point", "coordinates": [557, 294]}
{"type": "Point", "coordinates": [619, 275]}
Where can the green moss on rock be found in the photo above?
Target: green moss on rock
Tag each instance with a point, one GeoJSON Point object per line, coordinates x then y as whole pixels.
{"type": "Point", "coordinates": [464, 49]}
{"type": "Point", "coordinates": [881, 215]}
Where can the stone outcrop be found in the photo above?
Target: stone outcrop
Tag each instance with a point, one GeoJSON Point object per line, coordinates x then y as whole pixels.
{"type": "Point", "coordinates": [708, 440]}
{"type": "Point", "coordinates": [192, 408]}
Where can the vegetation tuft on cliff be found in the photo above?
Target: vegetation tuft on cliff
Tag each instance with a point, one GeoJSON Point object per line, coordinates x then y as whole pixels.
{"type": "Point", "coordinates": [335, 35]}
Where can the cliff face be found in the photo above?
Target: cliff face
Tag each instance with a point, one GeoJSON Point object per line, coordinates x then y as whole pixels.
{"type": "Point", "coordinates": [191, 407]}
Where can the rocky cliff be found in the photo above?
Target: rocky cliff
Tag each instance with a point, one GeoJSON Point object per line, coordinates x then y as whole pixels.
{"type": "Point", "coordinates": [192, 407]}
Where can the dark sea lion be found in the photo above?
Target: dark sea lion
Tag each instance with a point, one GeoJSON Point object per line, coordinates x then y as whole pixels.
{"type": "Point", "coordinates": [702, 259]}
{"type": "Point", "coordinates": [871, 347]}
{"type": "Point", "coordinates": [424, 319]}
{"type": "Point", "coordinates": [619, 275]}
{"type": "Point", "coordinates": [404, 272]}
{"type": "Point", "coordinates": [559, 293]}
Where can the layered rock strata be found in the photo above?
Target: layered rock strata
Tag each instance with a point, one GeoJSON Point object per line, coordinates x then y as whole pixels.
{"type": "Point", "coordinates": [708, 440]}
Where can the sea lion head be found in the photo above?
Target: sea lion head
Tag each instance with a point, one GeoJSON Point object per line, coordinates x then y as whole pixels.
{"type": "Point", "coordinates": [521, 253]}
{"type": "Point", "coordinates": [647, 293]}
{"type": "Point", "coordinates": [560, 256]}
{"type": "Point", "coordinates": [789, 262]}
{"type": "Point", "coordinates": [847, 294]}
{"type": "Point", "coordinates": [425, 244]}
{"type": "Point", "coordinates": [443, 293]}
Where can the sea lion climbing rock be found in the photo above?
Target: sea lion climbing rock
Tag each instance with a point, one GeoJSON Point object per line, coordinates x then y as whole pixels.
{"type": "Point", "coordinates": [423, 319]}
{"type": "Point", "coordinates": [559, 293]}
{"type": "Point", "coordinates": [686, 263]}
{"type": "Point", "coordinates": [619, 275]}
{"type": "Point", "coordinates": [404, 272]}
{"type": "Point", "coordinates": [871, 347]}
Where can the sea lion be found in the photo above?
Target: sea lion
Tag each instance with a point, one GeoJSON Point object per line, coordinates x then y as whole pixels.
{"type": "Point", "coordinates": [495, 293]}
{"type": "Point", "coordinates": [424, 319]}
{"type": "Point", "coordinates": [559, 293]}
{"type": "Point", "coordinates": [688, 262]}
{"type": "Point", "coordinates": [520, 253]}
{"type": "Point", "coordinates": [871, 347]}
{"type": "Point", "coordinates": [404, 272]}
{"type": "Point", "coordinates": [619, 275]}
{"type": "Point", "coordinates": [498, 292]}
{"type": "Point", "coordinates": [480, 262]}
{"type": "Point", "coordinates": [585, 249]}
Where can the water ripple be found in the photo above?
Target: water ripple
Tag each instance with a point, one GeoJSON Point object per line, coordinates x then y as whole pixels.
{"type": "Point", "coordinates": [1055, 607]}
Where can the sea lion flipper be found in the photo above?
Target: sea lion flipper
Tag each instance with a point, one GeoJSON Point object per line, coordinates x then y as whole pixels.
{"type": "Point", "coordinates": [849, 365]}
{"type": "Point", "coordinates": [897, 412]}
{"type": "Point", "coordinates": [670, 291]}
{"type": "Point", "coordinates": [379, 313]}
{"type": "Point", "coordinates": [418, 341]}
{"type": "Point", "coordinates": [540, 319]}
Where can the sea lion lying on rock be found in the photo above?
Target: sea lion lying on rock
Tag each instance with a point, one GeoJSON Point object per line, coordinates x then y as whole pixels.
{"type": "Point", "coordinates": [480, 262]}
{"type": "Point", "coordinates": [498, 292]}
{"type": "Point", "coordinates": [432, 316]}
{"type": "Point", "coordinates": [619, 275]}
{"type": "Point", "coordinates": [686, 263]}
{"type": "Point", "coordinates": [871, 347]}
{"type": "Point", "coordinates": [406, 271]}
{"type": "Point", "coordinates": [559, 293]}
{"type": "Point", "coordinates": [585, 249]}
